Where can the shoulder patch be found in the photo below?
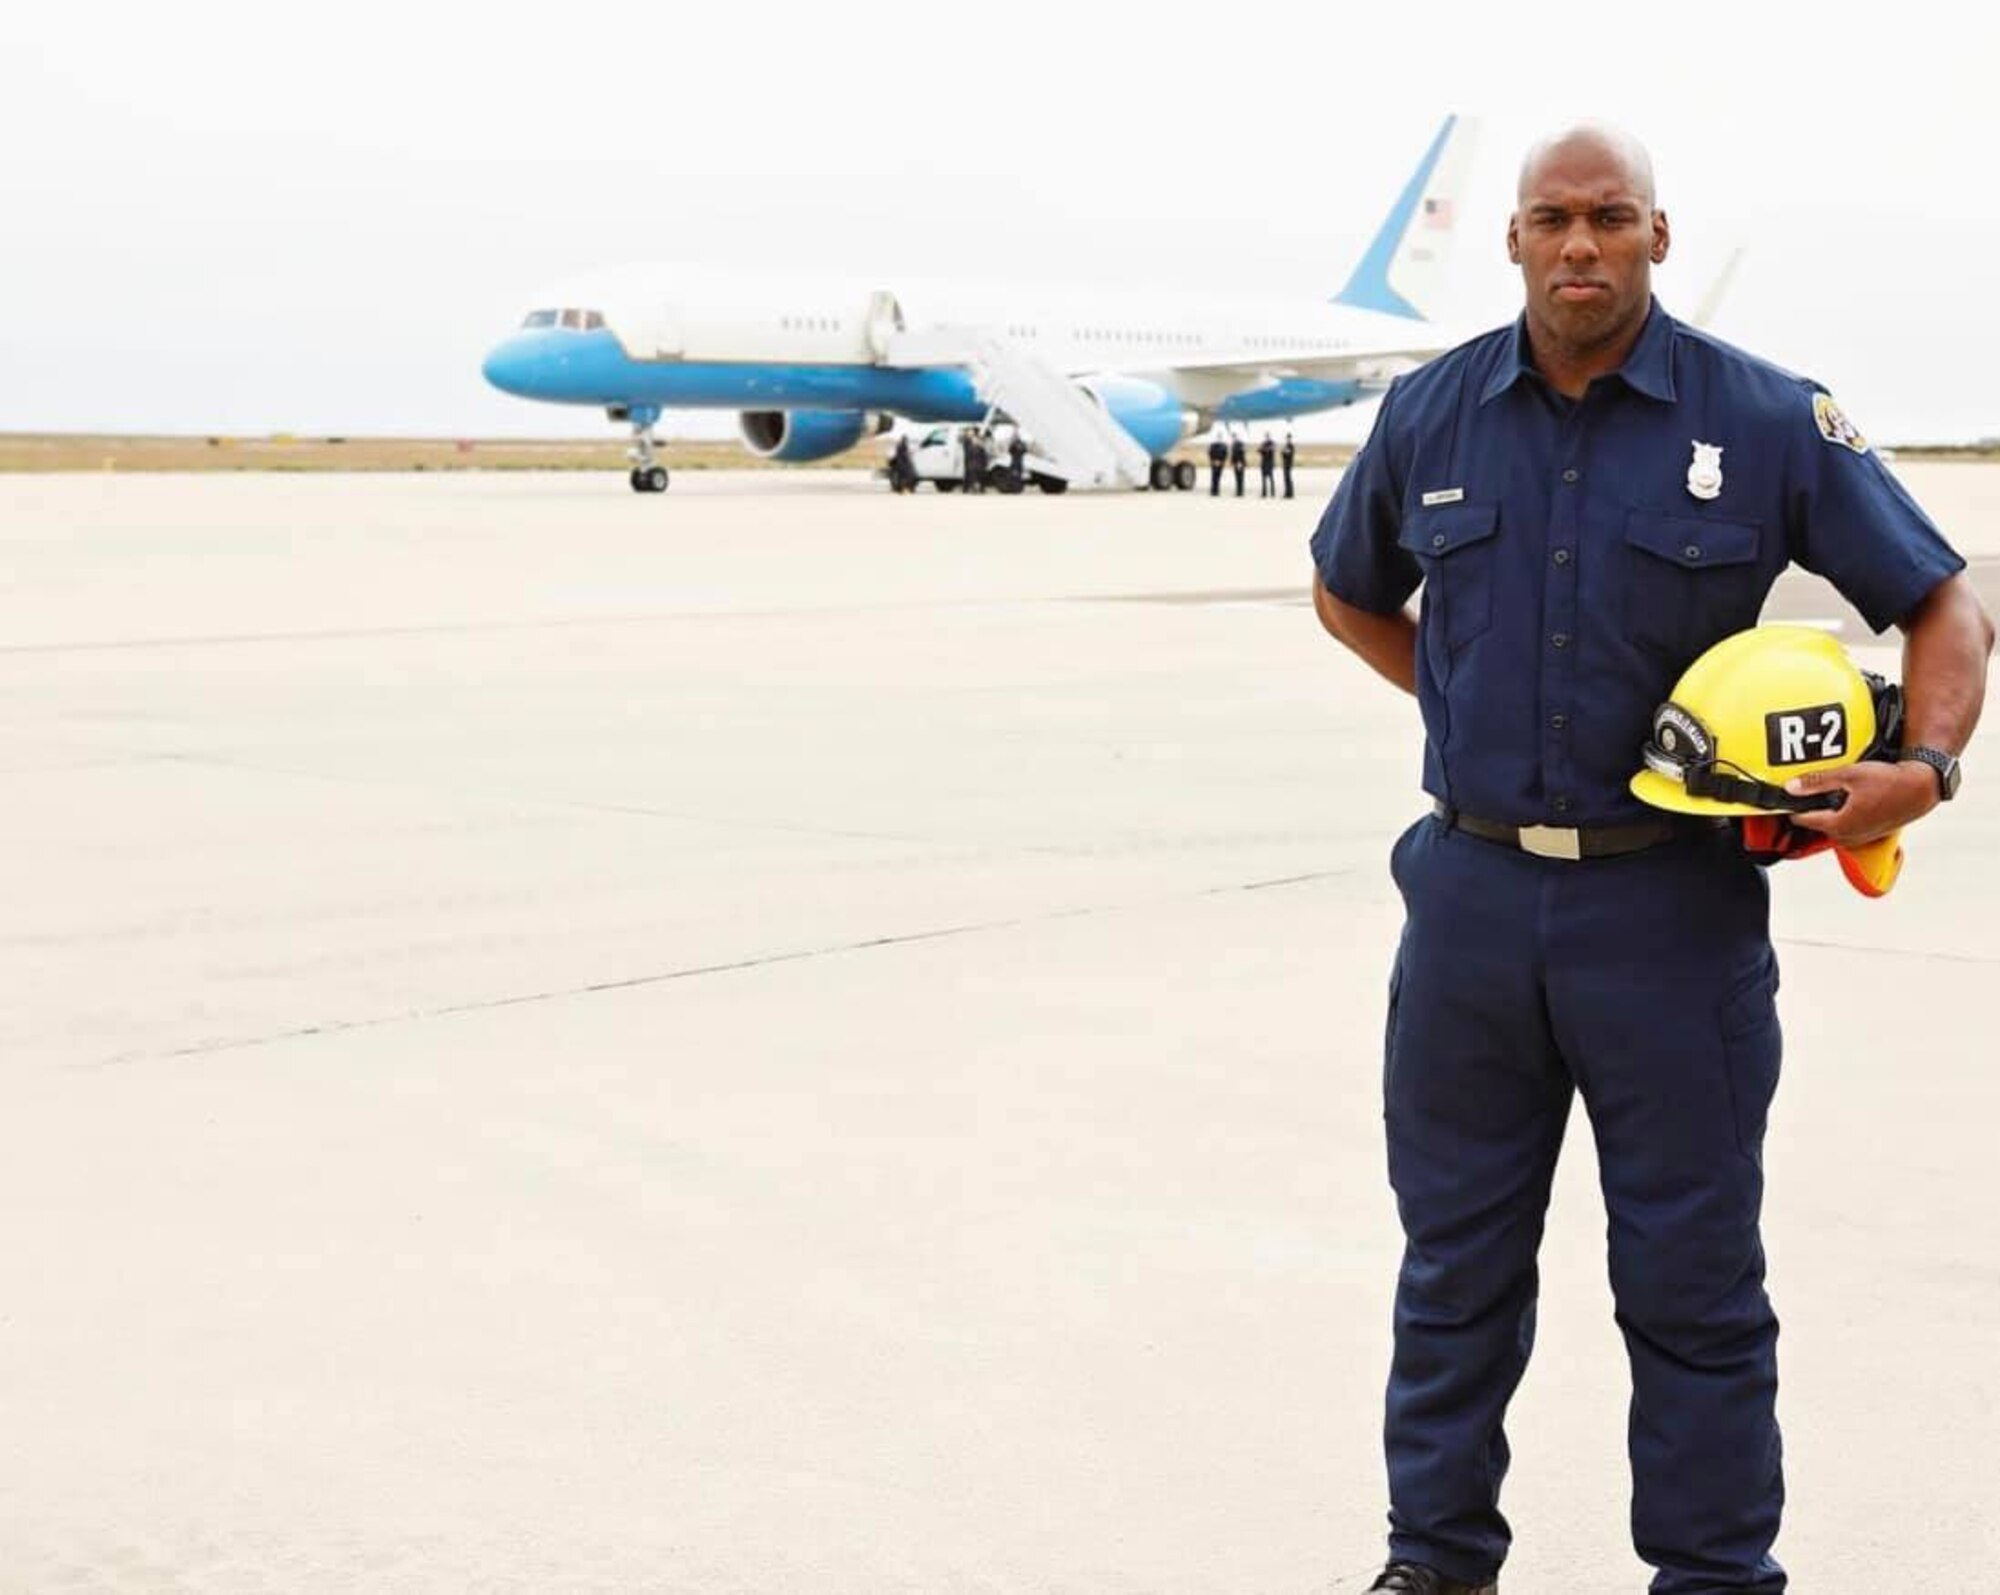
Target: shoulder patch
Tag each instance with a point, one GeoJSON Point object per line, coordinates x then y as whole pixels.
{"type": "Point", "coordinates": [1834, 426]}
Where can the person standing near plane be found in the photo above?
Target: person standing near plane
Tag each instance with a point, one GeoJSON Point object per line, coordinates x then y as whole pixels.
{"type": "Point", "coordinates": [1562, 938]}
{"type": "Point", "coordinates": [1285, 455]}
{"type": "Point", "coordinates": [1238, 459]}
{"type": "Point", "coordinates": [1218, 456]}
{"type": "Point", "coordinates": [902, 470]}
{"type": "Point", "coordinates": [1017, 455]}
{"type": "Point", "coordinates": [1267, 460]}
{"type": "Point", "coordinates": [975, 460]}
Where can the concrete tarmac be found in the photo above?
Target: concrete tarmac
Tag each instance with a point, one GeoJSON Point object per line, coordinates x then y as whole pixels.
{"type": "Point", "coordinates": [777, 1038]}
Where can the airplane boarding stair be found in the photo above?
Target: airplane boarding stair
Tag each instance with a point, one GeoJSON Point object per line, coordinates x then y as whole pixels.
{"type": "Point", "coordinates": [1069, 427]}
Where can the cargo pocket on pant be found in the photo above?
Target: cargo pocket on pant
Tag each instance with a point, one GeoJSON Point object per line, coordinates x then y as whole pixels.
{"type": "Point", "coordinates": [1752, 1051]}
{"type": "Point", "coordinates": [1389, 1030]}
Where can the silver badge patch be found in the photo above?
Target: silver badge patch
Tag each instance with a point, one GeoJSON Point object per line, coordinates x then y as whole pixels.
{"type": "Point", "coordinates": [1705, 472]}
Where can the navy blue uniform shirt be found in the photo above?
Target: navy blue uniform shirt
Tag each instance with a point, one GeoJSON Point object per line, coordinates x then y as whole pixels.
{"type": "Point", "coordinates": [1569, 572]}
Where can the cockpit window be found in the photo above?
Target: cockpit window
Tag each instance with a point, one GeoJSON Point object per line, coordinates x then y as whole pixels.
{"type": "Point", "coordinates": [575, 320]}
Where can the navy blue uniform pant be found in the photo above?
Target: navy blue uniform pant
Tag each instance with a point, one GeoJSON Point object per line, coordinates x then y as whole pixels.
{"type": "Point", "coordinates": [1646, 985]}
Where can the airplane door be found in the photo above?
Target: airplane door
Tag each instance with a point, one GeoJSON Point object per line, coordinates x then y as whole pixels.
{"type": "Point", "coordinates": [669, 333]}
{"type": "Point", "coordinates": [885, 320]}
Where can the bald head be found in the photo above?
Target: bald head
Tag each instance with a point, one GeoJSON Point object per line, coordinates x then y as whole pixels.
{"type": "Point", "coordinates": [1598, 139]}
{"type": "Point", "coordinates": [1586, 233]}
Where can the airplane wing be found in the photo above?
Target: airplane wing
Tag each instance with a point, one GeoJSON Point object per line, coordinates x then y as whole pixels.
{"type": "Point", "coordinates": [1211, 378]}
{"type": "Point", "coordinates": [1326, 365]}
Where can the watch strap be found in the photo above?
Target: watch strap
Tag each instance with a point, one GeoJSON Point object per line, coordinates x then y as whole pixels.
{"type": "Point", "coordinates": [1943, 765]}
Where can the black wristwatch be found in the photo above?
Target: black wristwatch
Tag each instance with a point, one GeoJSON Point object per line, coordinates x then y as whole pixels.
{"type": "Point", "coordinates": [1942, 764]}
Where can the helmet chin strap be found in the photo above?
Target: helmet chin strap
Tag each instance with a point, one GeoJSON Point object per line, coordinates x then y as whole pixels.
{"type": "Point", "coordinates": [1705, 780]}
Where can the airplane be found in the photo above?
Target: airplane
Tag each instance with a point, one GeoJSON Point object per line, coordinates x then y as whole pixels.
{"type": "Point", "coordinates": [1106, 383]}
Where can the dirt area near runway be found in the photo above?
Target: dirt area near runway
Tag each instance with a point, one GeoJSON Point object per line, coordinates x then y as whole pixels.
{"type": "Point", "coordinates": [108, 452]}
{"type": "Point", "coordinates": [23, 451]}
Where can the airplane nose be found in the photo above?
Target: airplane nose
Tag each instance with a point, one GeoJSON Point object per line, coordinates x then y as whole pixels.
{"type": "Point", "coordinates": [510, 366]}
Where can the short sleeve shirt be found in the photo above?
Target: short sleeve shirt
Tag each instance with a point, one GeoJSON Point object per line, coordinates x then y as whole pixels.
{"type": "Point", "coordinates": [1575, 556]}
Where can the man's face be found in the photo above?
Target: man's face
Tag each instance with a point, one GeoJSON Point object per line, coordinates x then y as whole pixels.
{"type": "Point", "coordinates": [1586, 240]}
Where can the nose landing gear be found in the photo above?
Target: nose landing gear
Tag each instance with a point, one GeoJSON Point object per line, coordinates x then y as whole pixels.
{"type": "Point", "coordinates": [648, 475]}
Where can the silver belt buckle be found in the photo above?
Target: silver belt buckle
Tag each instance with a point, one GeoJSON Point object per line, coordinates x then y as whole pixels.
{"type": "Point", "coordinates": [1552, 841]}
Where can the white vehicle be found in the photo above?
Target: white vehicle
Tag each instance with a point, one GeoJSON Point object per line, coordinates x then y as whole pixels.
{"type": "Point", "coordinates": [938, 457]}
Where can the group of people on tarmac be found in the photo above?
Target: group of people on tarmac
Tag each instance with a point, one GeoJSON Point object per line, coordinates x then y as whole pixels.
{"type": "Point", "coordinates": [1236, 457]}
{"type": "Point", "coordinates": [978, 444]}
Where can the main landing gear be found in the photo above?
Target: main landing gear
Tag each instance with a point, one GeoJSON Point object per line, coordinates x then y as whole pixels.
{"type": "Point", "coordinates": [1171, 476]}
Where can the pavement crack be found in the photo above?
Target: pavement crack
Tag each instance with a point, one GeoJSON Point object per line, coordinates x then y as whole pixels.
{"type": "Point", "coordinates": [1890, 952]}
{"type": "Point", "coordinates": [665, 977]}
{"type": "Point", "coordinates": [534, 800]}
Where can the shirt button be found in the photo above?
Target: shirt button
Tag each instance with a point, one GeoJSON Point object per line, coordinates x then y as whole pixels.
{"type": "Point", "coordinates": [1437, 540]}
{"type": "Point", "coordinates": [1562, 556]}
{"type": "Point", "coordinates": [1570, 475]}
{"type": "Point", "coordinates": [1562, 805]}
{"type": "Point", "coordinates": [1558, 721]}
{"type": "Point", "coordinates": [1560, 639]}
{"type": "Point", "coordinates": [1691, 552]}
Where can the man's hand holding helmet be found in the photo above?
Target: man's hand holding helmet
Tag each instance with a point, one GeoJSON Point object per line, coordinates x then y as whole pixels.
{"type": "Point", "coordinates": [1881, 799]}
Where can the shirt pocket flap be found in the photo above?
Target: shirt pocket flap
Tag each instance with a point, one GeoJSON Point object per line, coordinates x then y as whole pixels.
{"type": "Point", "coordinates": [1693, 544]}
{"type": "Point", "coordinates": [1446, 528]}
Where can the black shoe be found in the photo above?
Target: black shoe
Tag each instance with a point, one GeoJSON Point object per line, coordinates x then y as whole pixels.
{"type": "Point", "coordinates": [1411, 1578]}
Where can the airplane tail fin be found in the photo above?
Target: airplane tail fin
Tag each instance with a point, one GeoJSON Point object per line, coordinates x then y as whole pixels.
{"type": "Point", "coordinates": [1403, 273]}
{"type": "Point", "coordinates": [1718, 290]}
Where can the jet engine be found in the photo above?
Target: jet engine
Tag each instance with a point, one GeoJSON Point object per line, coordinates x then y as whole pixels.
{"type": "Point", "coordinates": [1155, 417]}
{"type": "Point", "coordinates": [796, 436]}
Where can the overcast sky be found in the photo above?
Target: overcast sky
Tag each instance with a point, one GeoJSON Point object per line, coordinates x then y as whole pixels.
{"type": "Point", "coordinates": [250, 218]}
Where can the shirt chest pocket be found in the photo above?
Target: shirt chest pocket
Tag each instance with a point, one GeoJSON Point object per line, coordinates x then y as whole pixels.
{"type": "Point", "coordinates": [1455, 545]}
{"type": "Point", "coordinates": [1689, 582]}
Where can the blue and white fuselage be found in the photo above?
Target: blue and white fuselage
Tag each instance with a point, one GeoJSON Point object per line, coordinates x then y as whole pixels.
{"type": "Point", "coordinates": [814, 363]}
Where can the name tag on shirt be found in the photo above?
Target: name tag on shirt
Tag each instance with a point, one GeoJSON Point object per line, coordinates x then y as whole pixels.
{"type": "Point", "coordinates": [1444, 495]}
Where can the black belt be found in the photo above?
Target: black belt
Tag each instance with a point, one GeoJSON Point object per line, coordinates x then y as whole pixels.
{"type": "Point", "coordinates": [1582, 841]}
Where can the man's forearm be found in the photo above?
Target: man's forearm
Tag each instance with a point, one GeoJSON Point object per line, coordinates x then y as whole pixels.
{"type": "Point", "coordinates": [1386, 643]}
{"type": "Point", "coordinates": [1947, 641]}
